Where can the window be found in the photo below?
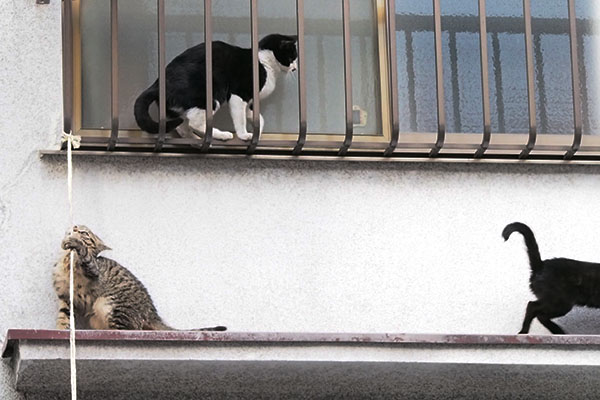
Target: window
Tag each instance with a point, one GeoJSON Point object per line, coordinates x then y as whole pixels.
{"type": "Point", "coordinates": [138, 64]}
{"type": "Point", "coordinates": [380, 113]}
{"type": "Point", "coordinates": [507, 67]}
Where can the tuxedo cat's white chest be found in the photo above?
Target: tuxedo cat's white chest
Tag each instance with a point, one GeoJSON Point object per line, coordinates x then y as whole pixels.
{"type": "Point", "coordinates": [269, 62]}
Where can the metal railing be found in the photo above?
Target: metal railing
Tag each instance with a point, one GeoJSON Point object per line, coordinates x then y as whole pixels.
{"type": "Point", "coordinates": [395, 147]}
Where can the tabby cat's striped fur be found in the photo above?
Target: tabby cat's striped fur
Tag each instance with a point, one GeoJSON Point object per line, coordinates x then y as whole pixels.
{"type": "Point", "coordinates": [107, 295]}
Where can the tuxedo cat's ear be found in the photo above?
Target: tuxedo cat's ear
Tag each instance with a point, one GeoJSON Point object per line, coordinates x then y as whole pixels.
{"type": "Point", "coordinates": [289, 40]}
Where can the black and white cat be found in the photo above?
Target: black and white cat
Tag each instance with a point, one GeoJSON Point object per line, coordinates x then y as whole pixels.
{"type": "Point", "coordinates": [232, 82]}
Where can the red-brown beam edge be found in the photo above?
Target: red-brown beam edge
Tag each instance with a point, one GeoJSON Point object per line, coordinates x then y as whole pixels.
{"type": "Point", "coordinates": [209, 79]}
{"type": "Point", "coordinates": [255, 81]}
{"type": "Point", "coordinates": [347, 77]}
{"type": "Point", "coordinates": [393, 80]}
{"type": "Point", "coordinates": [485, 84]}
{"type": "Point", "coordinates": [577, 118]}
{"type": "Point", "coordinates": [114, 74]}
{"type": "Point", "coordinates": [67, 37]}
{"type": "Point", "coordinates": [301, 79]}
{"type": "Point", "coordinates": [530, 80]}
{"type": "Point", "coordinates": [162, 84]}
{"type": "Point", "coordinates": [439, 80]}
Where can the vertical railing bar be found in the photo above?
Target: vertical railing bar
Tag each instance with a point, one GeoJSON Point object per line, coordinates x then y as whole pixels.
{"type": "Point", "coordinates": [347, 78]}
{"type": "Point", "coordinates": [538, 56]}
{"type": "Point", "coordinates": [255, 81]}
{"type": "Point", "coordinates": [208, 75]}
{"type": "Point", "coordinates": [583, 78]}
{"type": "Point", "coordinates": [114, 74]}
{"type": "Point", "coordinates": [393, 77]}
{"type": "Point", "coordinates": [575, 82]}
{"type": "Point", "coordinates": [485, 84]}
{"type": "Point", "coordinates": [439, 80]}
{"type": "Point", "coordinates": [67, 65]}
{"type": "Point", "coordinates": [498, 81]}
{"type": "Point", "coordinates": [454, 80]}
{"type": "Point", "coordinates": [302, 125]}
{"type": "Point", "coordinates": [162, 84]}
{"type": "Point", "coordinates": [410, 72]}
{"type": "Point", "coordinates": [530, 81]}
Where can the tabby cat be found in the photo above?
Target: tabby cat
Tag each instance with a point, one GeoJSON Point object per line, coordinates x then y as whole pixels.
{"type": "Point", "coordinates": [106, 295]}
{"type": "Point", "coordinates": [558, 283]}
{"type": "Point", "coordinates": [232, 83]}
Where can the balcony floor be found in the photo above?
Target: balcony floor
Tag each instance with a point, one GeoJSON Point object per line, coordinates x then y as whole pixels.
{"type": "Point", "coordinates": [190, 365]}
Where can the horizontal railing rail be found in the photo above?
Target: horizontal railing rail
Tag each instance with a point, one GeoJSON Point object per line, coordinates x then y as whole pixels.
{"type": "Point", "coordinates": [397, 143]}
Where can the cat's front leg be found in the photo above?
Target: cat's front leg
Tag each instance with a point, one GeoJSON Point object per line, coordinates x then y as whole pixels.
{"type": "Point", "coordinates": [86, 260]}
{"type": "Point", "coordinates": [237, 108]}
{"type": "Point", "coordinates": [62, 322]}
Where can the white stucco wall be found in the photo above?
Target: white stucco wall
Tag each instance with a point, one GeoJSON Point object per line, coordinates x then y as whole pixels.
{"type": "Point", "coordinates": [275, 246]}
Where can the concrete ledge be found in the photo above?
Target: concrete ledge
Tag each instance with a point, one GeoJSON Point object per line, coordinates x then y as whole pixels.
{"type": "Point", "coordinates": [168, 364]}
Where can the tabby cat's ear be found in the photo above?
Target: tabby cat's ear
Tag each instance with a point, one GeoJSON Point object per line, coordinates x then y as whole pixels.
{"type": "Point", "coordinates": [103, 247]}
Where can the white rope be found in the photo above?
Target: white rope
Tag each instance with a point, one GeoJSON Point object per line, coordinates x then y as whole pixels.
{"type": "Point", "coordinates": [72, 141]}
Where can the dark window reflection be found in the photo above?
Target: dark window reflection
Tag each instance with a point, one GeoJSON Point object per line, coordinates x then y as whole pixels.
{"type": "Point", "coordinates": [506, 63]}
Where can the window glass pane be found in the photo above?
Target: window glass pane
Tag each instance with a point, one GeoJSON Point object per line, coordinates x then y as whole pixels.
{"type": "Point", "coordinates": [138, 58]}
{"type": "Point", "coordinates": [506, 64]}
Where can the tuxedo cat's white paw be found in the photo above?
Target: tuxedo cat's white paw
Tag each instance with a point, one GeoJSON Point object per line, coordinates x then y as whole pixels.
{"type": "Point", "coordinates": [222, 135]}
{"type": "Point", "coordinates": [244, 135]}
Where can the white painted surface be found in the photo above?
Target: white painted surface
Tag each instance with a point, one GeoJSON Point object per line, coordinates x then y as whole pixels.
{"type": "Point", "coordinates": [275, 246]}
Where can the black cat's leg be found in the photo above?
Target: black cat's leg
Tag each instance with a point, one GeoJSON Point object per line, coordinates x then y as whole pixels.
{"type": "Point", "coordinates": [551, 326]}
{"type": "Point", "coordinates": [531, 312]}
{"type": "Point", "coordinates": [555, 311]}
{"type": "Point", "coordinates": [64, 313]}
{"type": "Point", "coordinates": [237, 108]}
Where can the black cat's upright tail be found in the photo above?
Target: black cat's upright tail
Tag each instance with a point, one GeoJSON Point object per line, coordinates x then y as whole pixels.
{"type": "Point", "coordinates": [532, 247]}
{"type": "Point", "coordinates": [142, 115]}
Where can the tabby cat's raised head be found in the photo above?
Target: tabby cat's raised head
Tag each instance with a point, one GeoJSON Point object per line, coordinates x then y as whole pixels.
{"type": "Point", "coordinates": [94, 244]}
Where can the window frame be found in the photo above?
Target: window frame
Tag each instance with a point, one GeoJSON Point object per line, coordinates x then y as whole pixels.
{"type": "Point", "coordinates": [505, 146]}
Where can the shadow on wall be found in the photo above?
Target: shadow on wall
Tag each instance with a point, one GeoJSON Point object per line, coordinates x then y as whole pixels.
{"type": "Point", "coordinates": [581, 321]}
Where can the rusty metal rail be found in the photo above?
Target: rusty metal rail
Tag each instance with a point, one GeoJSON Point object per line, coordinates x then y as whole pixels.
{"type": "Point", "coordinates": [162, 82]}
{"type": "Point", "coordinates": [439, 80]}
{"type": "Point", "coordinates": [577, 121]}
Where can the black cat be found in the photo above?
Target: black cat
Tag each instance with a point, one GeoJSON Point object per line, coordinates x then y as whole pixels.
{"type": "Point", "coordinates": [558, 283]}
{"type": "Point", "coordinates": [232, 82]}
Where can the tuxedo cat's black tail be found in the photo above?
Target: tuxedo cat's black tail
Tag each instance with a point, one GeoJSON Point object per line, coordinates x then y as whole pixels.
{"type": "Point", "coordinates": [142, 116]}
{"type": "Point", "coordinates": [535, 260]}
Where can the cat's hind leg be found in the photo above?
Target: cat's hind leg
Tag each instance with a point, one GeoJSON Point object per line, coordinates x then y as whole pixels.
{"type": "Point", "coordinates": [554, 311]}
{"type": "Point", "coordinates": [101, 311]}
{"type": "Point", "coordinates": [237, 109]}
{"type": "Point", "coordinates": [551, 326]}
{"type": "Point", "coordinates": [197, 121]}
{"type": "Point", "coordinates": [249, 117]}
{"type": "Point", "coordinates": [64, 313]}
